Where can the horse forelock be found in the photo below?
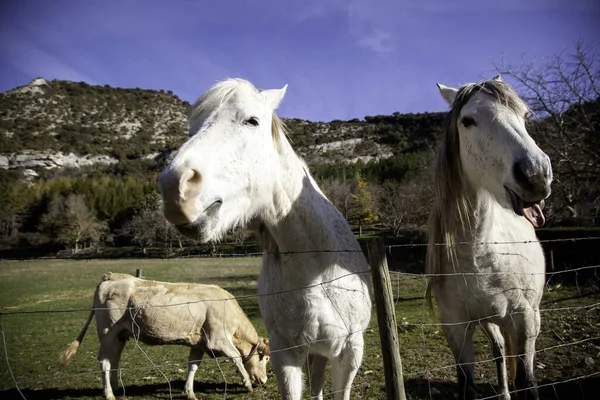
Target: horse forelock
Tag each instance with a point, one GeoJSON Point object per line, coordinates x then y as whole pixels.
{"type": "Point", "coordinates": [218, 94]}
{"type": "Point", "coordinates": [452, 211]}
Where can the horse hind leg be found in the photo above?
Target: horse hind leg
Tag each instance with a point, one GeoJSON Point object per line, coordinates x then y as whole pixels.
{"type": "Point", "coordinates": [498, 351]}
{"type": "Point", "coordinates": [460, 340]}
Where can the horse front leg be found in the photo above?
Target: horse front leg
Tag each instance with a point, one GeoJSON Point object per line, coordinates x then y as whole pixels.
{"type": "Point", "coordinates": [498, 351]}
{"type": "Point", "coordinates": [460, 340]}
{"type": "Point", "coordinates": [316, 369]}
{"type": "Point", "coordinates": [287, 365]}
{"type": "Point", "coordinates": [345, 366]}
{"type": "Point", "coordinates": [527, 329]}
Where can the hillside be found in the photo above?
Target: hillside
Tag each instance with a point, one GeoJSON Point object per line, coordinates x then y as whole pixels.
{"type": "Point", "coordinates": [54, 124]}
{"type": "Point", "coordinates": [79, 163]}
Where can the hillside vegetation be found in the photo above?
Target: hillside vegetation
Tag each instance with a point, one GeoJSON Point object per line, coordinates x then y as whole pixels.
{"type": "Point", "coordinates": [79, 163]}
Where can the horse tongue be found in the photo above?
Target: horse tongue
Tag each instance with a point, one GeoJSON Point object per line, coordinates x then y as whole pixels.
{"type": "Point", "coordinates": [533, 213]}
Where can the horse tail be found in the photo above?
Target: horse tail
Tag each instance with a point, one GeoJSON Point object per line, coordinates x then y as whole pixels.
{"type": "Point", "coordinates": [434, 258]}
{"type": "Point", "coordinates": [511, 358]}
{"type": "Point", "coordinates": [69, 352]}
{"type": "Point", "coordinates": [428, 298]}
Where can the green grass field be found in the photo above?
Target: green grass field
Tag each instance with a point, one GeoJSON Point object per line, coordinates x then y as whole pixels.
{"type": "Point", "coordinates": [34, 340]}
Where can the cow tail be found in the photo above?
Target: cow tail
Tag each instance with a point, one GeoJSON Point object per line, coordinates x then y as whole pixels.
{"type": "Point", "coordinates": [69, 352]}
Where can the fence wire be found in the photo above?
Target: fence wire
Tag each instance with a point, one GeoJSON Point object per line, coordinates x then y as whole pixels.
{"type": "Point", "coordinates": [361, 383]}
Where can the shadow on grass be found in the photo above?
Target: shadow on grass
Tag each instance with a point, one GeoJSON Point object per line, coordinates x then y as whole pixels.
{"type": "Point", "coordinates": [577, 389]}
{"type": "Point", "coordinates": [142, 391]}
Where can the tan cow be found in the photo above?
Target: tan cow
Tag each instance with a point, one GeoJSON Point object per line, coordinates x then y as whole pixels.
{"type": "Point", "coordinates": [204, 317]}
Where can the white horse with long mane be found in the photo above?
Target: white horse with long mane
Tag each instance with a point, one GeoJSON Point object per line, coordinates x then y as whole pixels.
{"type": "Point", "coordinates": [238, 169]}
{"type": "Point", "coordinates": [490, 182]}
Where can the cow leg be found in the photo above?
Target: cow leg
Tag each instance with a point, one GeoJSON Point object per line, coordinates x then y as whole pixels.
{"type": "Point", "coordinates": [345, 366]}
{"type": "Point", "coordinates": [194, 359]}
{"type": "Point", "coordinates": [108, 344]}
{"type": "Point", "coordinates": [316, 368]}
{"type": "Point", "coordinates": [460, 340]}
{"type": "Point", "coordinates": [115, 356]}
{"type": "Point", "coordinates": [225, 347]}
{"type": "Point", "coordinates": [499, 352]}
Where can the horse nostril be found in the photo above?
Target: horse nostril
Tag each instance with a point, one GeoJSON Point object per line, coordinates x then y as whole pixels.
{"type": "Point", "coordinates": [520, 169]}
{"type": "Point", "coordinates": [190, 182]}
{"type": "Point", "coordinates": [179, 190]}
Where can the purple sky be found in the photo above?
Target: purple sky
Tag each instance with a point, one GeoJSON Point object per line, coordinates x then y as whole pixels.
{"type": "Point", "coordinates": [341, 58]}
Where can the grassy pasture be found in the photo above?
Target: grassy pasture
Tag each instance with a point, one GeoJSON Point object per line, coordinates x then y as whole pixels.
{"type": "Point", "coordinates": [34, 340]}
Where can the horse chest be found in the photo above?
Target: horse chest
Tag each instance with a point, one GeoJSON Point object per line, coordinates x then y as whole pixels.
{"type": "Point", "coordinates": [302, 308]}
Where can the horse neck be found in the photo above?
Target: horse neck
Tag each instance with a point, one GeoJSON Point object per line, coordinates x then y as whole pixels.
{"type": "Point", "coordinates": [303, 220]}
{"type": "Point", "coordinates": [481, 211]}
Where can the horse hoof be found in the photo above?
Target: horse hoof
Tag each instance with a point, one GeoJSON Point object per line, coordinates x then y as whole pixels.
{"type": "Point", "coordinates": [249, 389]}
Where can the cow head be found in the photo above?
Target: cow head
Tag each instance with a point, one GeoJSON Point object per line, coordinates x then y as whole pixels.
{"type": "Point", "coordinates": [256, 361]}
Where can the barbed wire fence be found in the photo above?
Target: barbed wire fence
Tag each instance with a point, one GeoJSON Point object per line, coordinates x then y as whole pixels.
{"type": "Point", "coordinates": [423, 370]}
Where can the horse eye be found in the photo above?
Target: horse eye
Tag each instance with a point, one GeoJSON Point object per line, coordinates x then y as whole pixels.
{"type": "Point", "coordinates": [252, 121]}
{"type": "Point", "coordinates": [468, 121]}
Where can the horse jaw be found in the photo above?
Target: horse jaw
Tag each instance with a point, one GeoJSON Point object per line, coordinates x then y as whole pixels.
{"type": "Point", "coordinates": [532, 211]}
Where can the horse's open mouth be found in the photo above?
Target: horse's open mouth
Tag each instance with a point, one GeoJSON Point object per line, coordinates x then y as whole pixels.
{"type": "Point", "coordinates": [532, 211]}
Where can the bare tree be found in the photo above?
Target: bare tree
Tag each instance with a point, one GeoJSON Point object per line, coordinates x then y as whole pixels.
{"type": "Point", "coordinates": [339, 192]}
{"type": "Point", "coordinates": [71, 222]}
{"type": "Point", "coordinates": [149, 226]}
{"type": "Point", "coordinates": [404, 205]}
{"type": "Point", "coordinates": [564, 94]}
{"type": "Point", "coordinates": [239, 235]}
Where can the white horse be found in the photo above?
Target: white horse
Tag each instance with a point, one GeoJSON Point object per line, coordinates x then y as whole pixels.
{"type": "Point", "coordinates": [490, 182]}
{"type": "Point", "coordinates": [239, 169]}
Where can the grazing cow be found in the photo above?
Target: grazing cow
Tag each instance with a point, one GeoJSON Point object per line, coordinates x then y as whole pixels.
{"type": "Point", "coordinates": [204, 317]}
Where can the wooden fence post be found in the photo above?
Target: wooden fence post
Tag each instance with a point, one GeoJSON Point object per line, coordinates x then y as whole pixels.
{"type": "Point", "coordinates": [386, 317]}
{"type": "Point", "coordinates": [138, 273]}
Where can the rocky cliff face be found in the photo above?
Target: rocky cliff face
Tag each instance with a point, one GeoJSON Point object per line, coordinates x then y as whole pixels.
{"type": "Point", "coordinates": [48, 160]}
{"type": "Point", "coordinates": [57, 124]}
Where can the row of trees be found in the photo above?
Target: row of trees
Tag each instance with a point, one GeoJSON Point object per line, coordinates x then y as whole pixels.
{"type": "Point", "coordinates": [119, 203]}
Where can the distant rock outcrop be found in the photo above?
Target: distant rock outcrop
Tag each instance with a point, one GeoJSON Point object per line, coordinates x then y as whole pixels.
{"type": "Point", "coordinates": [48, 160]}
{"type": "Point", "coordinates": [57, 124]}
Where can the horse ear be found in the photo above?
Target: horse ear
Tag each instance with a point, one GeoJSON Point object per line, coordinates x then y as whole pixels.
{"type": "Point", "coordinates": [274, 96]}
{"type": "Point", "coordinates": [448, 93]}
{"type": "Point", "coordinates": [497, 78]}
